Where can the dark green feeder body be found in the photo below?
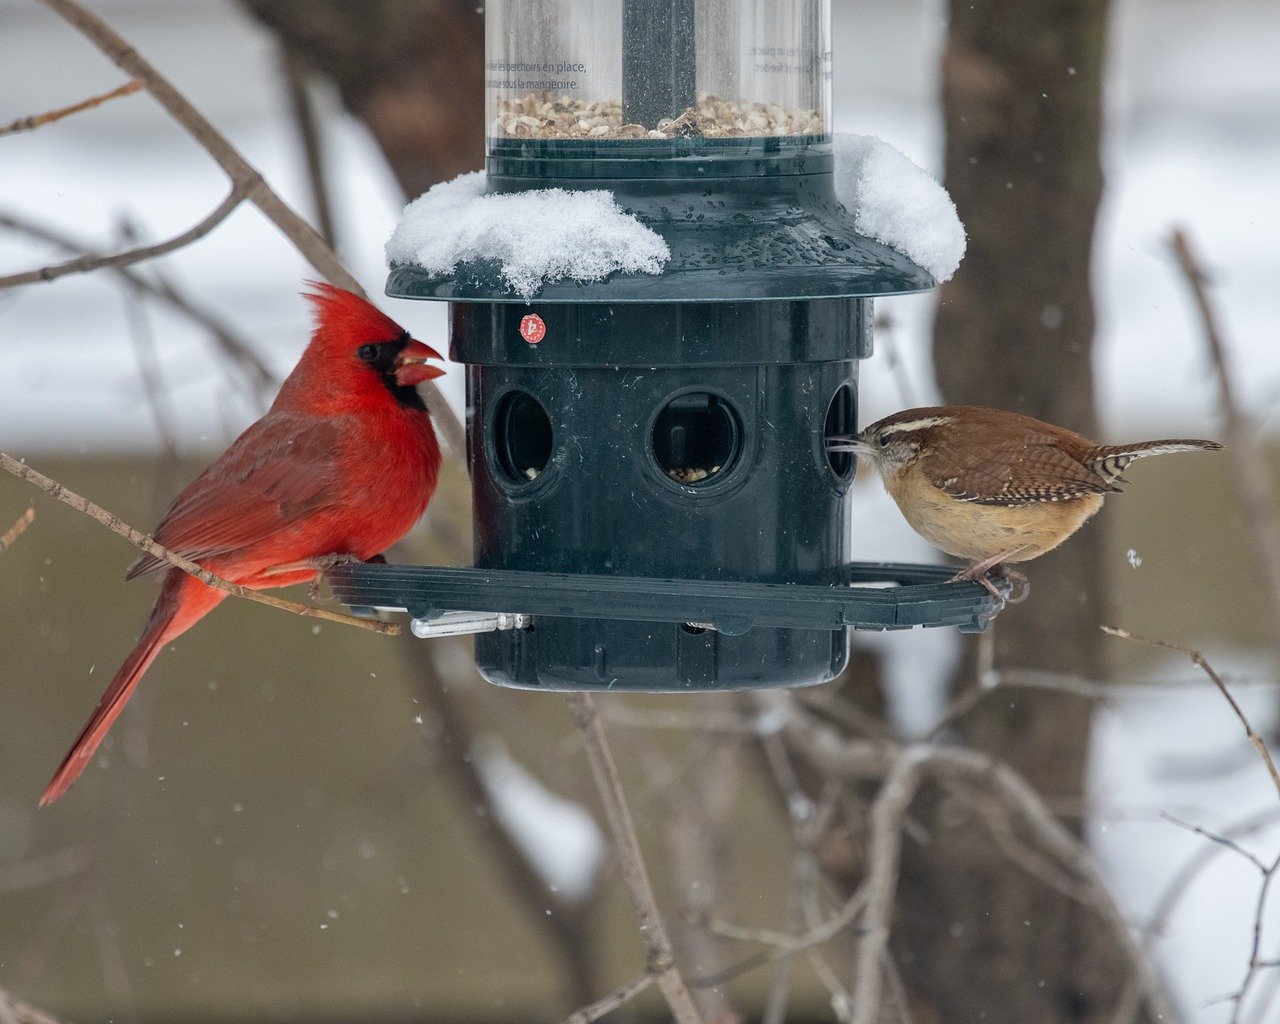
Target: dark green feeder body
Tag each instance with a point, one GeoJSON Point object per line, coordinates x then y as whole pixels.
{"type": "Point", "coordinates": [738, 360]}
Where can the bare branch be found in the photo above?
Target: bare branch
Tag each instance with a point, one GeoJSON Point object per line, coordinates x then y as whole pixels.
{"type": "Point", "coordinates": [304, 118]}
{"type": "Point", "coordinates": [245, 179]}
{"type": "Point", "coordinates": [1251, 471]}
{"type": "Point", "coordinates": [33, 121]}
{"type": "Point", "coordinates": [564, 923]}
{"type": "Point", "coordinates": [144, 348]}
{"type": "Point", "coordinates": [863, 760]}
{"type": "Point", "coordinates": [1199, 659]}
{"type": "Point", "coordinates": [1256, 962]}
{"type": "Point", "coordinates": [621, 995]}
{"type": "Point", "coordinates": [1069, 851]}
{"type": "Point", "coordinates": [1181, 882]}
{"type": "Point", "coordinates": [17, 529]}
{"type": "Point", "coordinates": [1030, 679]}
{"type": "Point", "coordinates": [886, 329]}
{"type": "Point", "coordinates": [788, 945]}
{"type": "Point", "coordinates": [240, 351]}
{"type": "Point", "coordinates": [1224, 841]}
{"type": "Point", "coordinates": [84, 264]}
{"type": "Point", "coordinates": [141, 540]}
{"type": "Point", "coordinates": [887, 812]}
{"type": "Point", "coordinates": [652, 929]}
{"type": "Point", "coordinates": [15, 1011]}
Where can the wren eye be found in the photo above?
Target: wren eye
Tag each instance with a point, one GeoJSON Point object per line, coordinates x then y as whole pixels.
{"type": "Point", "coordinates": [368, 353]}
{"type": "Point", "coordinates": [882, 441]}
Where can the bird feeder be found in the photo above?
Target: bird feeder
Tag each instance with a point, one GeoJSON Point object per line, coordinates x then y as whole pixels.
{"type": "Point", "coordinates": [655, 507]}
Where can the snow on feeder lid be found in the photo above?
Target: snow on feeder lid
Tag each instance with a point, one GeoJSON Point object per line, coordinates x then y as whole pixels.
{"type": "Point", "coordinates": [548, 236]}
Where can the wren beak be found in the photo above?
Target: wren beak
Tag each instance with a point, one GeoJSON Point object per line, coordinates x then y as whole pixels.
{"type": "Point", "coordinates": [411, 364]}
{"type": "Point", "coordinates": [851, 443]}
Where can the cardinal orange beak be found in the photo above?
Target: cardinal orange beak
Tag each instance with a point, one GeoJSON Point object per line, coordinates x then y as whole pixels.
{"type": "Point", "coordinates": [411, 365]}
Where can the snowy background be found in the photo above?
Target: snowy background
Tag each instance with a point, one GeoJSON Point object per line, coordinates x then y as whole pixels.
{"type": "Point", "coordinates": [1193, 139]}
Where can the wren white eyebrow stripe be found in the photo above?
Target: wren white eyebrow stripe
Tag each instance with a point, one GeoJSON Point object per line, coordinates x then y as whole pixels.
{"type": "Point", "coordinates": [927, 421]}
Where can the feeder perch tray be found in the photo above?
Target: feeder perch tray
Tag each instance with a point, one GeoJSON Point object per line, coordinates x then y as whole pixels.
{"type": "Point", "coordinates": [862, 595]}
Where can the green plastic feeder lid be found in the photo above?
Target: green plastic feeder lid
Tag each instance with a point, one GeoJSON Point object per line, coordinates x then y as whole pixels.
{"type": "Point", "coordinates": [744, 221]}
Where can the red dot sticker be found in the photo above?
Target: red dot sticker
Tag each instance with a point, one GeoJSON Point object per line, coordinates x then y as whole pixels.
{"type": "Point", "coordinates": [533, 329]}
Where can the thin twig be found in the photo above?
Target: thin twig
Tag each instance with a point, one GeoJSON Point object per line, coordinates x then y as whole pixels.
{"type": "Point", "coordinates": [699, 849]}
{"type": "Point", "coordinates": [1200, 660]}
{"type": "Point", "coordinates": [1256, 961]}
{"type": "Point", "coordinates": [1180, 884]}
{"type": "Point", "coordinates": [898, 987]}
{"type": "Point", "coordinates": [33, 121]}
{"type": "Point", "coordinates": [788, 945]}
{"type": "Point", "coordinates": [241, 353]}
{"type": "Point", "coordinates": [17, 529]}
{"type": "Point", "coordinates": [1070, 852]}
{"type": "Point", "coordinates": [16, 1011]}
{"type": "Point", "coordinates": [1252, 474]}
{"type": "Point", "coordinates": [887, 342]}
{"type": "Point", "coordinates": [887, 812]}
{"type": "Point", "coordinates": [841, 1004]}
{"type": "Point", "coordinates": [304, 119]}
{"type": "Point", "coordinates": [141, 540]}
{"type": "Point", "coordinates": [244, 177]}
{"type": "Point", "coordinates": [661, 961]}
{"type": "Point", "coordinates": [995, 816]}
{"type": "Point", "coordinates": [246, 180]}
{"type": "Point", "coordinates": [1030, 679]}
{"type": "Point", "coordinates": [621, 995]}
{"type": "Point", "coordinates": [84, 264]}
{"type": "Point", "coordinates": [1225, 842]}
{"type": "Point", "coordinates": [564, 923]}
{"type": "Point", "coordinates": [862, 760]}
{"type": "Point", "coordinates": [148, 358]}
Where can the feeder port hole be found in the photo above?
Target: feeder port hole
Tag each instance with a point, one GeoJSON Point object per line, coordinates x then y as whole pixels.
{"type": "Point", "coordinates": [522, 437]}
{"type": "Point", "coordinates": [839, 423]}
{"type": "Point", "coordinates": [696, 437]}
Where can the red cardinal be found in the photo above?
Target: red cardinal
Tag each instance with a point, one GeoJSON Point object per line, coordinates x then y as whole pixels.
{"type": "Point", "coordinates": [343, 464]}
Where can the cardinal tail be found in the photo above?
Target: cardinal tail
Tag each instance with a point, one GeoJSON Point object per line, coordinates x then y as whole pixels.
{"type": "Point", "coordinates": [183, 601]}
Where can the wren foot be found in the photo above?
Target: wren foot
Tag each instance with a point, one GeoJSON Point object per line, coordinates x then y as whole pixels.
{"type": "Point", "coordinates": [1020, 586]}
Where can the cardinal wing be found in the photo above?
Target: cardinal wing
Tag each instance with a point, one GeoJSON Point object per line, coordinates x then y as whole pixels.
{"type": "Point", "coordinates": [280, 470]}
{"type": "Point", "coordinates": [1020, 470]}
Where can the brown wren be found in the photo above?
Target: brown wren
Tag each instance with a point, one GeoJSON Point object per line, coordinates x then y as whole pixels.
{"type": "Point", "coordinates": [993, 486]}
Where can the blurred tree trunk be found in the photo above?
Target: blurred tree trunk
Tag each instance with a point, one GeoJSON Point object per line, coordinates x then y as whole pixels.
{"type": "Point", "coordinates": [411, 70]}
{"type": "Point", "coordinates": [1022, 88]}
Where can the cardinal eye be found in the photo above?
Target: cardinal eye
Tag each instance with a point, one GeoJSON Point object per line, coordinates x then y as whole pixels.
{"type": "Point", "coordinates": [369, 353]}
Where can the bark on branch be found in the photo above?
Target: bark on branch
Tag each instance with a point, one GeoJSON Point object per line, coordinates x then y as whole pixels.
{"type": "Point", "coordinates": [30, 123]}
{"type": "Point", "coordinates": [245, 179]}
{"type": "Point", "coordinates": [141, 540]}
{"type": "Point", "coordinates": [84, 264]}
{"type": "Point", "coordinates": [661, 959]}
{"type": "Point", "coordinates": [17, 529]}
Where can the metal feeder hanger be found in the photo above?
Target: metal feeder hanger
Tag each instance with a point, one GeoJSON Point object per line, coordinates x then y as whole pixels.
{"type": "Point", "coordinates": [655, 507]}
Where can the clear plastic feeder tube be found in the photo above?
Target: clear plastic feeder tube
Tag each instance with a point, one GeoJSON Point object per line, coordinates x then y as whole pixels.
{"type": "Point", "coordinates": [657, 69]}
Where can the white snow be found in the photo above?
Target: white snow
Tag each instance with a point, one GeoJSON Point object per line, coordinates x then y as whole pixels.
{"type": "Point", "coordinates": [898, 203]}
{"type": "Point", "coordinates": [1179, 751]}
{"type": "Point", "coordinates": [539, 236]}
{"type": "Point", "coordinates": [560, 839]}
